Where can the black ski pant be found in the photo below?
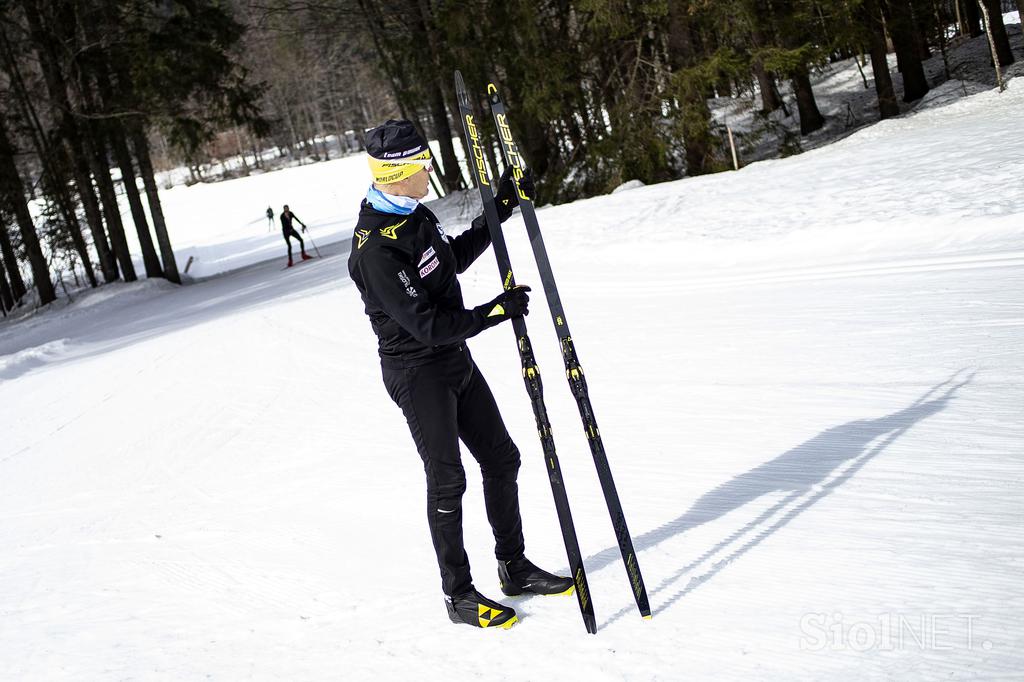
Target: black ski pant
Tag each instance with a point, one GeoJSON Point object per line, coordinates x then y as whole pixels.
{"type": "Point", "coordinates": [446, 399]}
{"type": "Point", "coordinates": [288, 233]}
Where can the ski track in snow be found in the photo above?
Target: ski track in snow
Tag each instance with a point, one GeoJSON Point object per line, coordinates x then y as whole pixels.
{"type": "Point", "coordinates": [809, 386]}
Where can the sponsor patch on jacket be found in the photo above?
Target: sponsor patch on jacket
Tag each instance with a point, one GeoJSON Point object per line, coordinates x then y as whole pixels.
{"type": "Point", "coordinates": [440, 231]}
{"type": "Point", "coordinates": [429, 267]}
{"type": "Point", "coordinates": [409, 288]}
{"type": "Point", "coordinates": [427, 255]}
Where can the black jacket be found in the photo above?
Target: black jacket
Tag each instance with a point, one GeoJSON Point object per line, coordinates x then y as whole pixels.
{"type": "Point", "coordinates": [405, 268]}
{"type": "Point", "coordinates": [286, 221]}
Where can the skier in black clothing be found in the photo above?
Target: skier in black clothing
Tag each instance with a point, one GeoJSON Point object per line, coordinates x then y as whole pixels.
{"type": "Point", "coordinates": [286, 228]}
{"type": "Point", "coordinates": [270, 218]}
{"type": "Point", "coordinates": [405, 268]}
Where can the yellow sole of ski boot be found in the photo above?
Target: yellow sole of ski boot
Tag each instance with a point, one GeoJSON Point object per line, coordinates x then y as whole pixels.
{"type": "Point", "coordinates": [553, 594]}
{"type": "Point", "coordinates": [509, 623]}
{"type": "Point", "coordinates": [562, 594]}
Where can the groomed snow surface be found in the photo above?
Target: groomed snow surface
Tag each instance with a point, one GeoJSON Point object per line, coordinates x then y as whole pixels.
{"type": "Point", "coordinates": [808, 376]}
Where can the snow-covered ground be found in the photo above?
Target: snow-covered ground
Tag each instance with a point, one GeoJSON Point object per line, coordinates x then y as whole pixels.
{"type": "Point", "coordinates": [808, 376]}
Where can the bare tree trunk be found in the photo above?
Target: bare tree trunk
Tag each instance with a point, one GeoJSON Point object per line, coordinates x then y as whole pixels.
{"type": "Point", "coordinates": [291, 127]}
{"type": "Point", "coordinates": [12, 188]}
{"type": "Point", "coordinates": [55, 85]}
{"type": "Point", "coordinates": [152, 194]}
{"type": "Point", "coordinates": [810, 117]}
{"type": "Point", "coordinates": [973, 18]}
{"type": "Point", "coordinates": [310, 134]}
{"type": "Point", "coordinates": [770, 99]}
{"type": "Point", "coordinates": [110, 134]}
{"type": "Point", "coordinates": [451, 176]}
{"type": "Point", "coordinates": [318, 123]}
{"type": "Point", "coordinates": [492, 148]}
{"type": "Point", "coordinates": [131, 189]}
{"type": "Point", "coordinates": [941, 20]}
{"type": "Point", "coordinates": [241, 150]}
{"type": "Point", "coordinates": [695, 116]}
{"type": "Point", "coordinates": [997, 31]}
{"type": "Point", "coordinates": [100, 163]}
{"type": "Point", "coordinates": [871, 18]}
{"type": "Point", "coordinates": [901, 28]}
{"type": "Point", "coordinates": [10, 264]}
{"type": "Point", "coordinates": [6, 295]}
{"type": "Point", "coordinates": [58, 188]}
{"type": "Point", "coordinates": [339, 129]}
{"type": "Point", "coordinates": [961, 25]}
{"type": "Point", "coordinates": [992, 46]}
{"type": "Point", "coordinates": [921, 32]}
{"type": "Point", "coordinates": [257, 154]}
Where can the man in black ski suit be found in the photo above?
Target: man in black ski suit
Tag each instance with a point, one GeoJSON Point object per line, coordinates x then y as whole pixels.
{"type": "Point", "coordinates": [288, 231]}
{"type": "Point", "coordinates": [405, 268]}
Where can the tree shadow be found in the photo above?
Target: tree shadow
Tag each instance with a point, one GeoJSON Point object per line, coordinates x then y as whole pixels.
{"type": "Point", "coordinates": [127, 321]}
{"type": "Point", "coordinates": [803, 475]}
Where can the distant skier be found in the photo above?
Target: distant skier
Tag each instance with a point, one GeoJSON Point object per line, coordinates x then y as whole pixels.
{"type": "Point", "coordinates": [270, 218]}
{"type": "Point", "coordinates": [405, 268]}
{"type": "Point", "coordinates": [286, 228]}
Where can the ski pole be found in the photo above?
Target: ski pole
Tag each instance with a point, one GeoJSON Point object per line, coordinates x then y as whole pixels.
{"type": "Point", "coordinates": [304, 229]}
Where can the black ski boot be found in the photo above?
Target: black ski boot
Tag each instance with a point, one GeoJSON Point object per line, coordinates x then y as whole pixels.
{"type": "Point", "coordinates": [519, 575]}
{"type": "Point", "coordinates": [473, 608]}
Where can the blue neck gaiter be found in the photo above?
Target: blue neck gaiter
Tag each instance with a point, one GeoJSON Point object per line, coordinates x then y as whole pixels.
{"type": "Point", "coordinates": [390, 203]}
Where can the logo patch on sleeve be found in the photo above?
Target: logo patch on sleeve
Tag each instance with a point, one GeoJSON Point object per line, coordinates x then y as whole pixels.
{"type": "Point", "coordinates": [409, 288]}
{"type": "Point", "coordinates": [427, 255]}
{"type": "Point", "coordinates": [429, 267]}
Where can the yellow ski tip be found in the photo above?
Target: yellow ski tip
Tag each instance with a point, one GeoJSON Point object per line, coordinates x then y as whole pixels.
{"type": "Point", "coordinates": [510, 622]}
{"type": "Point", "coordinates": [647, 617]}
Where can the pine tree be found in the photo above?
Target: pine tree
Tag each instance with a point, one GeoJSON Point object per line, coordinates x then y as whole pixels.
{"type": "Point", "coordinates": [13, 192]}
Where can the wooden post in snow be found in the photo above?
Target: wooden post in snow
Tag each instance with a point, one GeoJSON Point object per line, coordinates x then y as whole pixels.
{"type": "Point", "coordinates": [732, 146]}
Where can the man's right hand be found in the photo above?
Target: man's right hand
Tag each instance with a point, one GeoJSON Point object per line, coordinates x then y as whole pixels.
{"type": "Point", "coordinates": [509, 304]}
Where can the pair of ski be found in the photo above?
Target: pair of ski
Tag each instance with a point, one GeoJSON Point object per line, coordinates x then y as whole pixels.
{"type": "Point", "coordinates": [531, 373]}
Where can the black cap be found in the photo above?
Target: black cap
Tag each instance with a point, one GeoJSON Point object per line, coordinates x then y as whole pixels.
{"type": "Point", "coordinates": [394, 140]}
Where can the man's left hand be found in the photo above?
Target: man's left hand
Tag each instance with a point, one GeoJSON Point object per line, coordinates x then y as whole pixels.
{"type": "Point", "coordinates": [507, 197]}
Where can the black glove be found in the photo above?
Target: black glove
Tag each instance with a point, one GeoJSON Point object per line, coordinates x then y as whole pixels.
{"type": "Point", "coordinates": [512, 303]}
{"type": "Point", "coordinates": [303, 228]}
{"type": "Point", "coordinates": [507, 197]}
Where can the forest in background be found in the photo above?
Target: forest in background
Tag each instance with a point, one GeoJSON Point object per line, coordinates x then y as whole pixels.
{"type": "Point", "coordinates": [97, 96]}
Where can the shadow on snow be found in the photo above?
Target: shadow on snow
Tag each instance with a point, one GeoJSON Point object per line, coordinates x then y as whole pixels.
{"type": "Point", "coordinates": [803, 475]}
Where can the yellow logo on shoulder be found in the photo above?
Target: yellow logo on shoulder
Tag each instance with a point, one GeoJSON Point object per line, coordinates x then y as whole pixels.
{"type": "Point", "coordinates": [390, 230]}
